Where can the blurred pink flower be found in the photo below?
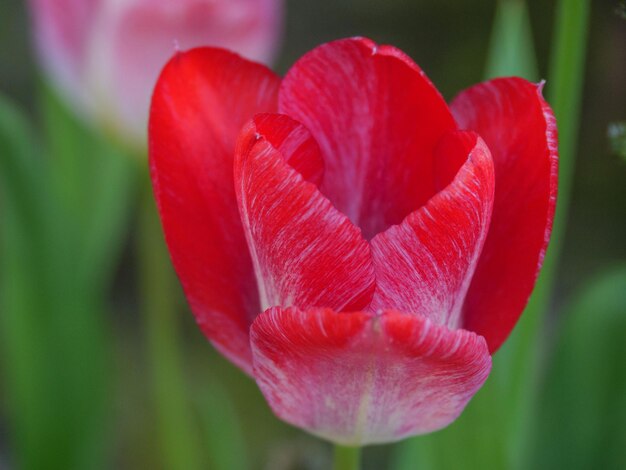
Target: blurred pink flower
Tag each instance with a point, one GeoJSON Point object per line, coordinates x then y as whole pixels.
{"type": "Point", "coordinates": [105, 55]}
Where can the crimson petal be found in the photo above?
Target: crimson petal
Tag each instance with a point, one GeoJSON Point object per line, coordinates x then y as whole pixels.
{"type": "Point", "coordinates": [425, 264]}
{"type": "Point", "coordinates": [305, 252]}
{"type": "Point", "coordinates": [294, 142]}
{"type": "Point", "coordinates": [358, 378]}
{"type": "Point", "coordinates": [377, 119]}
{"type": "Point", "coordinates": [202, 99]}
{"type": "Point", "coordinates": [520, 130]}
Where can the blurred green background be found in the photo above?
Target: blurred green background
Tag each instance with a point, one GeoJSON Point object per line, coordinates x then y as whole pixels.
{"type": "Point", "coordinates": [576, 417]}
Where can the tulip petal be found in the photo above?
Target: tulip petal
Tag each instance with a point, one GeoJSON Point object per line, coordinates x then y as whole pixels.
{"type": "Point", "coordinates": [201, 101]}
{"type": "Point", "coordinates": [425, 264]}
{"type": "Point", "coordinates": [295, 144]}
{"type": "Point", "coordinates": [305, 252]}
{"type": "Point", "coordinates": [377, 119]}
{"type": "Point", "coordinates": [520, 130]}
{"type": "Point", "coordinates": [359, 378]}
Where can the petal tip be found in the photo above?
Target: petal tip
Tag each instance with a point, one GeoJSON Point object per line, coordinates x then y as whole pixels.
{"type": "Point", "coordinates": [540, 86]}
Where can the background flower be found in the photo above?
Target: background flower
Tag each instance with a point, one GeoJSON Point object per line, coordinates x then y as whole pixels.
{"type": "Point", "coordinates": [105, 55]}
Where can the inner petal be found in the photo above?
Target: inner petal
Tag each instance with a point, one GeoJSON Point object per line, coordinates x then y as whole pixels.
{"type": "Point", "coordinates": [305, 252]}
{"type": "Point", "coordinates": [377, 120]}
{"type": "Point", "coordinates": [294, 143]}
{"type": "Point", "coordinates": [425, 264]}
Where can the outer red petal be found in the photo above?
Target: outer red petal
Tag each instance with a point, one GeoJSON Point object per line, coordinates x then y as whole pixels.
{"type": "Point", "coordinates": [305, 252]}
{"type": "Point", "coordinates": [520, 130]}
{"type": "Point", "coordinates": [377, 119]}
{"type": "Point", "coordinates": [358, 378]}
{"type": "Point", "coordinates": [201, 101]}
{"type": "Point", "coordinates": [425, 264]}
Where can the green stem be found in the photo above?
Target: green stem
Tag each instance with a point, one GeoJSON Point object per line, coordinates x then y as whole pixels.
{"type": "Point", "coordinates": [346, 458]}
{"type": "Point", "coordinates": [178, 441]}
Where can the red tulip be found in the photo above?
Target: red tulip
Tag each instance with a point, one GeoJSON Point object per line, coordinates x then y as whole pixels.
{"type": "Point", "coordinates": [340, 238]}
{"type": "Point", "coordinates": [105, 55]}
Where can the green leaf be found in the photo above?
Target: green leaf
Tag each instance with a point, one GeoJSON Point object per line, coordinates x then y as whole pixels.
{"type": "Point", "coordinates": [18, 165]}
{"type": "Point", "coordinates": [96, 184]}
{"type": "Point", "coordinates": [52, 338]}
{"type": "Point", "coordinates": [63, 216]}
{"type": "Point", "coordinates": [511, 52]}
{"type": "Point", "coordinates": [21, 250]}
{"type": "Point", "coordinates": [221, 426]}
{"type": "Point", "coordinates": [581, 422]}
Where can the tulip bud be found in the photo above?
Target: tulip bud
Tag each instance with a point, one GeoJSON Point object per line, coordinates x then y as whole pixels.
{"type": "Point", "coordinates": [104, 56]}
{"type": "Point", "coordinates": [339, 233]}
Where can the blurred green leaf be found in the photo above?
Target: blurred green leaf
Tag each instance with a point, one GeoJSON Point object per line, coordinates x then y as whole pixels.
{"type": "Point", "coordinates": [581, 422]}
{"type": "Point", "coordinates": [60, 236]}
{"type": "Point", "coordinates": [22, 213]}
{"type": "Point", "coordinates": [221, 425]}
{"type": "Point", "coordinates": [18, 161]}
{"type": "Point", "coordinates": [564, 89]}
{"type": "Point", "coordinates": [511, 52]}
{"type": "Point", "coordinates": [96, 184]}
{"type": "Point", "coordinates": [54, 366]}
{"type": "Point", "coordinates": [91, 185]}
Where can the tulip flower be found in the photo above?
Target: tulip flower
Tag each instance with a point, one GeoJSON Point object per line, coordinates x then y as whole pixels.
{"type": "Point", "coordinates": [356, 245]}
{"type": "Point", "coordinates": [105, 55]}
